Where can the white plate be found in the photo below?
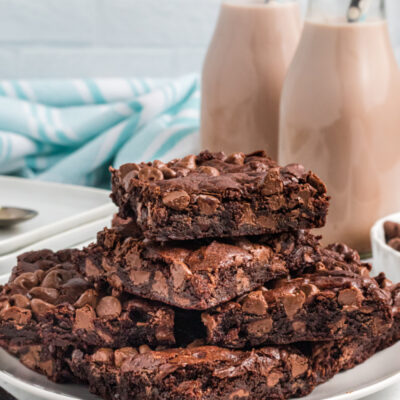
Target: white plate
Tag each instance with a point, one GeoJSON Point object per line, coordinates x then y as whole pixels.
{"type": "Point", "coordinates": [61, 207]}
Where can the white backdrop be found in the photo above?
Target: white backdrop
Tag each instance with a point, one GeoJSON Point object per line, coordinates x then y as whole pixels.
{"type": "Point", "coordinates": [82, 38]}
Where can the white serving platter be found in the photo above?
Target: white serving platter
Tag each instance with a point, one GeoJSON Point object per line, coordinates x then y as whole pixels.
{"type": "Point", "coordinates": [61, 207]}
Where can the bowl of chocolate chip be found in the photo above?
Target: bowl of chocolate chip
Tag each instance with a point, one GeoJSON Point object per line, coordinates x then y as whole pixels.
{"type": "Point", "coordinates": [385, 237]}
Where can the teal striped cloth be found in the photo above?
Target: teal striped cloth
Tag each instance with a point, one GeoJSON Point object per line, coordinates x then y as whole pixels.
{"type": "Point", "coordinates": [71, 131]}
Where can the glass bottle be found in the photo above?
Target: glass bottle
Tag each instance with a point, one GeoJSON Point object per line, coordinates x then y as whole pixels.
{"type": "Point", "coordinates": [340, 115]}
{"type": "Point", "coordinates": [253, 45]}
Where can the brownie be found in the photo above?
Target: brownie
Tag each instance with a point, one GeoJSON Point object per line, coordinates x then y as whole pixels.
{"type": "Point", "coordinates": [46, 360]}
{"type": "Point", "coordinates": [53, 303]}
{"type": "Point", "coordinates": [196, 275]}
{"type": "Point", "coordinates": [212, 195]}
{"type": "Point", "coordinates": [326, 305]}
{"type": "Point", "coordinates": [331, 357]}
{"type": "Point", "coordinates": [197, 373]}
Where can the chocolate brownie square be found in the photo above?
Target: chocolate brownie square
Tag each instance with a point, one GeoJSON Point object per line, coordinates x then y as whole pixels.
{"type": "Point", "coordinates": [212, 195]}
{"type": "Point", "coordinates": [197, 373]}
{"type": "Point", "coordinates": [196, 275]}
{"type": "Point", "coordinates": [327, 305]}
{"type": "Point", "coordinates": [47, 300]}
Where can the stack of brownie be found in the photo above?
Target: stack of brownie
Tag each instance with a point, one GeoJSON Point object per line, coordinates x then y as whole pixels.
{"type": "Point", "coordinates": [209, 285]}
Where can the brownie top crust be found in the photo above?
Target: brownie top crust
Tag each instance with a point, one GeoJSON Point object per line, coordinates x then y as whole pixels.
{"type": "Point", "coordinates": [211, 172]}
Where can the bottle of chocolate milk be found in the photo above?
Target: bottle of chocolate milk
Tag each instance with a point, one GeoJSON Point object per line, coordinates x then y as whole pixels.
{"type": "Point", "coordinates": [243, 74]}
{"type": "Point", "coordinates": [340, 115]}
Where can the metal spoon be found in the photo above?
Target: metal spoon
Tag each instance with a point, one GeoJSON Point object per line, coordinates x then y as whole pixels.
{"type": "Point", "coordinates": [10, 216]}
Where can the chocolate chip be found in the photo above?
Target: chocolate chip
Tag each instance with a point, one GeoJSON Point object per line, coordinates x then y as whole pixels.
{"type": "Point", "coordinates": [84, 318]}
{"type": "Point", "coordinates": [296, 170]}
{"type": "Point", "coordinates": [255, 303]}
{"type": "Point", "coordinates": [392, 230]}
{"type": "Point", "coordinates": [139, 277]}
{"type": "Point", "coordinates": [272, 183]}
{"type": "Point", "coordinates": [150, 174]}
{"type": "Point", "coordinates": [210, 171]}
{"type": "Point", "coordinates": [26, 280]}
{"type": "Point", "coordinates": [395, 243]}
{"type": "Point", "coordinates": [48, 295]}
{"type": "Point", "coordinates": [168, 173]}
{"type": "Point", "coordinates": [40, 307]}
{"type": "Point", "coordinates": [128, 168]}
{"type": "Point", "coordinates": [207, 204]}
{"type": "Point", "coordinates": [182, 172]}
{"type": "Point", "coordinates": [158, 164]}
{"type": "Point", "coordinates": [242, 280]}
{"type": "Point", "coordinates": [87, 298]}
{"type": "Point", "coordinates": [91, 270]}
{"type": "Point", "coordinates": [109, 308]}
{"type": "Point", "coordinates": [351, 298]}
{"type": "Point", "coordinates": [293, 302]}
{"type": "Point", "coordinates": [160, 284]}
{"type": "Point", "coordinates": [121, 355]}
{"type": "Point", "coordinates": [309, 290]}
{"type": "Point", "coordinates": [144, 349]}
{"type": "Point", "coordinates": [261, 327]}
{"type": "Point", "coordinates": [129, 172]}
{"type": "Point", "coordinates": [236, 158]}
{"type": "Point", "coordinates": [116, 283]}
{"type": "Point", "coordinates": [20, 316]}
{"type": "Point", "coordinates": [178, 200]}
{"type": "Point", "coordinates": [180, 273]}
{"type": "Point", "coordinates": [19, 300]}
{"type": "Point", "coordinates": [55, 278]}
{"type": "Point", "coordinates": [273, 378]}
{"type": "Point", "coordinates": [103, 356]}
{"type": "Point", "coordinates": [133, 259]}
{"type": "Point", "coordinates": [257, 166]}
{"type": "Point", "coordinates": [299, 365]}
{"type": "Point", "coordinates": [316, 183]}
{"type": "Point", "coordinates": [31, 358]}
{"type": "Point", "coordinates": [188, 162]}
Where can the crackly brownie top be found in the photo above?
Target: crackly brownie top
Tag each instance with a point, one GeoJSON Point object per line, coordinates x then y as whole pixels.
{"type": "Point", "coordinates": [216, 173]}
{"type": "Point", "coordinates": [209, 254]}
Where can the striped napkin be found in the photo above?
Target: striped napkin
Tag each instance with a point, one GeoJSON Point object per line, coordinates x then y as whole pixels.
{"type": "Point", "coordinates": [70, 131]}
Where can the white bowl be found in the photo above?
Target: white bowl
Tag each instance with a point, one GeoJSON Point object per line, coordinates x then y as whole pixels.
{"type": "Point", "coordinates": [385, 258]}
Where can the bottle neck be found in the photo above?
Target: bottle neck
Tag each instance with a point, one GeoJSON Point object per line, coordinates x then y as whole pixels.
{"type": "Point", "coordinates": [346, 11]}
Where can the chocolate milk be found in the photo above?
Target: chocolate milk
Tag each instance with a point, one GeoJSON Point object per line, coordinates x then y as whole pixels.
{"type": "Point", "coordinates": [243, 74]}
{"type": "Point", "coordinates": [340, 117]}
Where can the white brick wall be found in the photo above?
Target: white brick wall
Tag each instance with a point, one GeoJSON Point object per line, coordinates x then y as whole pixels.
{"type": "Point", "coordinates": [80, 38]}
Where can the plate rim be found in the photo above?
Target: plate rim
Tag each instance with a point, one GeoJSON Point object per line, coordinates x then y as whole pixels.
{"type": "Point", "coordinates": [25, 239]}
